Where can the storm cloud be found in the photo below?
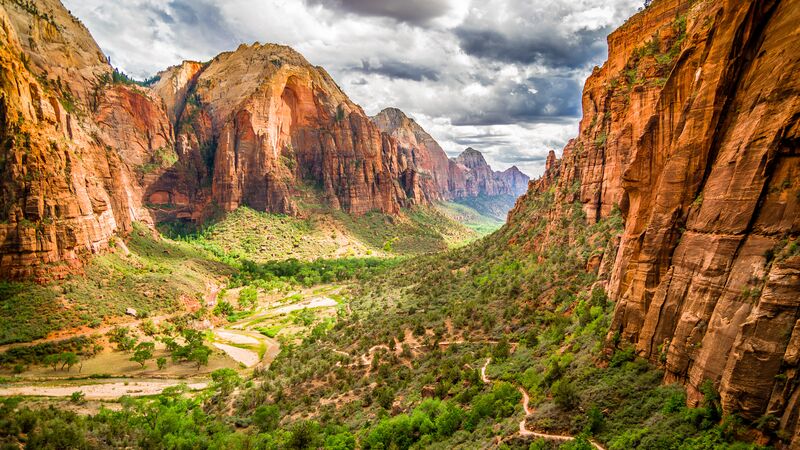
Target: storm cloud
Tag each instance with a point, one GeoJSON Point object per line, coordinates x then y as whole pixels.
{"type": "Point", "coordinates": [501, 76]}
{"type": "Point", "coordinates": [398, 70]}
{"type": "Point", "coordinates": [581, 48]}
{"type": "Point", "coordinates": [535, 99]}
{"type": "Point", "coordinates": [411, 11]}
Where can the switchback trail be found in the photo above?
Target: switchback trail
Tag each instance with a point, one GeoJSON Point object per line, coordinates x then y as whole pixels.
{"type": "Point", "coordinates": [523, 429]}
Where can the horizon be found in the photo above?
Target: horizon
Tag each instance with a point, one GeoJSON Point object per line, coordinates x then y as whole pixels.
{"type": "Point", "coordinates": [450, 66]}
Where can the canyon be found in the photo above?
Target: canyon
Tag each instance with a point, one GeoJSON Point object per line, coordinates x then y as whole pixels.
{"type": "Point", "coordinates": [689, 140]}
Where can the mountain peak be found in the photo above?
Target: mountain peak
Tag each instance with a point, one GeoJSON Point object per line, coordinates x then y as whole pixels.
{"type": "Point", "coordinates": [471, 158]}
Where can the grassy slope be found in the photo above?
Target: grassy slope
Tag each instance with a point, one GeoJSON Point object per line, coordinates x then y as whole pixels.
{"type": "Point", "coordinates": [472, 219]}
{"type": "Point", "coordinates": [158, 276]}
{"type": "Point", "coordinates": [261, 237]}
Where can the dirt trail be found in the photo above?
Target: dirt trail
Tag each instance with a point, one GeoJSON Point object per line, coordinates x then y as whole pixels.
{"type": "Point", "coordinates": [523, 429]}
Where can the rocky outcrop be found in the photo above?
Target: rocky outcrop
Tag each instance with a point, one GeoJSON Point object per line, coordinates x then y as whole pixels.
{"type": "Point", "coordinates": [420, 150]}
{"type": "Point", "coordinates": [691, 131]}
{"type": "Point", "coordinates": [255, 125]}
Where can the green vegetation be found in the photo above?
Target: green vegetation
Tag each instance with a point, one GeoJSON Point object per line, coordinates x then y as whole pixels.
{"type": "Point", "coordinates": [151, 279]}
{"type": "Point", "coordinates": [471, 218]}
{"type": "Point", "coordinates": [36, 354]}
{"type": "Point", "coordinates": [246, 234]}
{"type": "Point", "coordinates": [493, 207]}
{"type": "Point", "coordinates": [163, 157]}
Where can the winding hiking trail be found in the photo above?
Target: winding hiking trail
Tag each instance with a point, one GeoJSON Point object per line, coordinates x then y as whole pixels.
{"type": "Point", "coordinates": [523, 429]}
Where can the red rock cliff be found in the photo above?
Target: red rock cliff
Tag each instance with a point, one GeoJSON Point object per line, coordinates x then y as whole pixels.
{"type": "Point", "coordinates": [68, 141]}
{"type": "Point", "coordinates": [255, 124]}
{"type": "Point", "coordinates": [691, 129]}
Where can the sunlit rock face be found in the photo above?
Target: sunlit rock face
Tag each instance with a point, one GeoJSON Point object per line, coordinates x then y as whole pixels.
{"type": "Point", "coordinates": [69, 143]}
{"type": "Point", "coordinates": [690, 130]}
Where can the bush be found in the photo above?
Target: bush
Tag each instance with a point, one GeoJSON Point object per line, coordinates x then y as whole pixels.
{"type": "Point", "coordinates": [564, 394]}
{"type": "Point", "coordinates": [77, 397]}
{"type": "Point", "coordinates": [267, 418]}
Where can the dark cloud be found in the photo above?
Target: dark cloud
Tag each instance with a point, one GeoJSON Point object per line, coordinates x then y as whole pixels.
{"type": "Point", "coordinates": [584, 47]}
{"type": "Point", "coordinates": [398, 70]}
{"type": "Point", "coordinates": [538, 100]}
{"type": "Point", "coordinates": [479, 139]}
{"type": "Point", "coordinates": [411, 11]}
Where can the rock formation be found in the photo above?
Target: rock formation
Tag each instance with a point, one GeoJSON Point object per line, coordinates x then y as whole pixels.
{"type": "Point", "coordinates": [420, 149]}
{"type": "Point", "coordinates": [258, 122]}
{"type": "Point", "coordinates": [476, 178]}
{"type": "Point", "coordinates": [691, 131]}
{"type": "Point", "coordinates": [465, 176]}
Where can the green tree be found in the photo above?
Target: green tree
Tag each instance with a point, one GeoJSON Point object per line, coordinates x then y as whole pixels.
{"type": "Point", "coordinates": [68, 360]}
{"type": "Point", "coordinates": [267, 418]}
{"type": "Point", "coordinates": [143, 352]}
{"type": "Point", "coordinates": [199, 355]}
{"type": "Point", "coordinates": [121, 337]}
{"type": "Point", "coordinates": [248, 297]}
{"type": "Point", "coordinates": [52, 360]}
{"type": "Point", "coordinates": [161, 362]}
{"type": "Point", "coordinates": [304, 434]}
{"type": "Point", "coordinates": [564, 394]}
{"type": "Point", "coordinates": [502, 349]}
{"type": "Point", "coordinates": [225, 380]}
{"type": "Point", "coordinates": [340, 441]}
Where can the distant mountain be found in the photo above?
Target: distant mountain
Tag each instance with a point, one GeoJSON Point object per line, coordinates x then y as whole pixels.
{"type": "Point", "coordinates": [467, 178]}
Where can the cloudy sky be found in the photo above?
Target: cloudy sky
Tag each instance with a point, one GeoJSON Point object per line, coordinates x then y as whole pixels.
{"type": "Point", "coordinates": [502, 76]}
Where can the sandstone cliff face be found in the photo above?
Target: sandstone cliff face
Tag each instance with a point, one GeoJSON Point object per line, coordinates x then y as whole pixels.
{"type": "Point", "coordinates": [691, 129]}
{"type": "Point", "coordinates": [420, 149]}
{"type": "Point", "coordinates": [255, 124]}
{"type": "Point", "coordinates": [65, 189]}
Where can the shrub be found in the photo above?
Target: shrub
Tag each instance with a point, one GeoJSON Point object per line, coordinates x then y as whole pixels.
{"type": "Point", "coordinates": [266, 418]}
{"type": "Point", "coordinates": [77, 397]}
{"type": "Point", "coordinates": [564, 394]}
